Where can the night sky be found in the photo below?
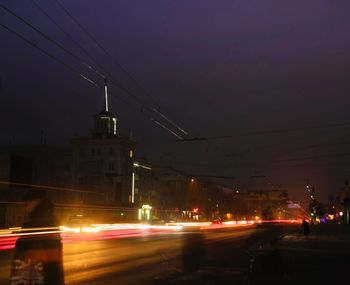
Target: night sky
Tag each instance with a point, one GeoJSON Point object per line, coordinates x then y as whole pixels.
{"type": "Point", "coordinates": [267, 82]}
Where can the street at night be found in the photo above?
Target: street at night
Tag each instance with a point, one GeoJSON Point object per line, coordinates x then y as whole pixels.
{"type": "Point", "coordinates": [255, 254]}
{"type": "Point", "coordinates": [174, 142]}
{"type": "Point", "coordinates": [151, 256]}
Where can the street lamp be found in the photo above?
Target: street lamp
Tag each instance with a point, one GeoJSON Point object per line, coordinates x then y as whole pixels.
{"type": "Point", "coordinates": [136, 165]}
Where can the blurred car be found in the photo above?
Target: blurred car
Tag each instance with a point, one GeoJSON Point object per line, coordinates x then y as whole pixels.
{"type": "Point", "coordinates": [216, 221]}
{"type": "Point", "coordinates": [80, 223]}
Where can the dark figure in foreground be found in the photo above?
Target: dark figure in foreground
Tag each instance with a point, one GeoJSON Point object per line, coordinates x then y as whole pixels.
{"type": "Point", "coordinates": [306, 228]}
{"type": "Point", "coordinates": [38, 257]}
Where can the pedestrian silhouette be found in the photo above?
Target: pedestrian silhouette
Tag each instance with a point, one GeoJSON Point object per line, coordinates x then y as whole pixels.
{"type": "Point", "coordinates": [306, 228]}
{"type": "Point", "coordinates": [38, 256]}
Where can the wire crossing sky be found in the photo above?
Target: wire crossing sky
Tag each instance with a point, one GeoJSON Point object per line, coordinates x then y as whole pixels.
{"type": "Point", "coordinates": [204, 86]}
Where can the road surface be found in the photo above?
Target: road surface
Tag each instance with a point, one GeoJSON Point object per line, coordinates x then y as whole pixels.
{"type": "Point", "coordinates": [153, 258]}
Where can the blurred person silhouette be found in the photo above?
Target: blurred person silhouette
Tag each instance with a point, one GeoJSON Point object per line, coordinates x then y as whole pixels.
{"type": "Point", "coordinates": [38, 257]}
{"type": "Point", "coordinates": [306, 228]}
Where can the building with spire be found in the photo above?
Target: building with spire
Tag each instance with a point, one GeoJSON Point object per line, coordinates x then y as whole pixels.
{"type": "Point", "coordinates": [105, 121]}
{"type": "Point", "coordinates": [102, 162]}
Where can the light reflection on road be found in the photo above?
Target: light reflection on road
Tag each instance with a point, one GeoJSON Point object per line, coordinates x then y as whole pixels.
{"type": "Point", "coordinates": [91, 232]}
{"type": "Point", "coordinates": [131, 252]}
{"type": "Point", "coordinates": [8, 237]}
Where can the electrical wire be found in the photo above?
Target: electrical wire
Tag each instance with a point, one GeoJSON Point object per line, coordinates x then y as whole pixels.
{"type": "Point", "coordinates": [264, 132]}
{"type": "Point", "coordinates": [78, 58]}
{"type": "Point", "coordinates": [68, 36]}
{"type": "Point", "coordinates": [272, 147]}
{"type": "Point", "coordinates": [111, 79]}
{"type": "Point", "coordinates": [85, 77]}
{"type": "Point", "coordinates": [72, 69]}
{"type": "Point", "coordinates": [119, 65]}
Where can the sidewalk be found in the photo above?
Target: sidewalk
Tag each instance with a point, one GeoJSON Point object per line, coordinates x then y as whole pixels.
{"type": "Point", "coordinates": [321, 258]}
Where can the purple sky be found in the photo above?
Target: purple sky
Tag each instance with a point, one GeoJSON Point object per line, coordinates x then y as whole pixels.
{"type": "Point", "coordinates": [214, 67]}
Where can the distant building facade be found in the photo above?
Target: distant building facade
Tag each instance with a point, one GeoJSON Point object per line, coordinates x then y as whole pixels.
{"type": "Point", "coordinates": [103, 161]}
{"type": "Point", "coordinates": [104, 165]}
{"type": "Point", "coordinates": [94, 171]}
{"type": "Point", "coordinates": [270, 204]}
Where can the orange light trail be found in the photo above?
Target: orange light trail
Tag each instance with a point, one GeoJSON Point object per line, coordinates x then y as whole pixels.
{"type": "Point", "coordinates": [9, 236]}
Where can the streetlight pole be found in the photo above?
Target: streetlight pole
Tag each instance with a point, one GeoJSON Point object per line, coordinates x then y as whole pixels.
{"type": "Point", "coordinates": [136, 165]}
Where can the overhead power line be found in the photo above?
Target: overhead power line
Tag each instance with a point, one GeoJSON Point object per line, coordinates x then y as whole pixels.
{"type": "Point", "coordinates": [212, 176]}
{"type": "Point", "coordinates": [115, 61]}
{"type": "Point", "coordinates": [85, 77]}
{"type": "Point", "coordinates": [72, 69]}
{"type": "Point", "coordinates": [170, 121]}
{"type": "Point", "coordinates": [78, 58]}
{"type": "Point", "coordinates": [264, 132]}
{"type": "Point", "coordinates": [309, 157]}
{"type": "Point", "coordinates": [60, 46]}
{"type": "Point", "coordinates": [274, 147]}
{"type": "Point", "coordinates": [111, 79]}
{"type": "Point", "coordinates": [68, 36]}
{"type": "Point", "coordinates": [120, 66]}
{"type": "Point", "coordinates": [47, 187]}
{"type": "Point", "coordinates": [164, 127]}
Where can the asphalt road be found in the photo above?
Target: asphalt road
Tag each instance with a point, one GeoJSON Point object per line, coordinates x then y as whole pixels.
{"type": "Point", "coordinates": [163, 258]}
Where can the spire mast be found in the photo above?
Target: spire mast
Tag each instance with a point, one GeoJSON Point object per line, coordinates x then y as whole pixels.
{"type": "Point", "coordinates": [106, 96]}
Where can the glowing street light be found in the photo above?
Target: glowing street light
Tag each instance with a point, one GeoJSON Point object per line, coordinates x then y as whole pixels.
{"type": "Point", "coordinates": [136, 165]}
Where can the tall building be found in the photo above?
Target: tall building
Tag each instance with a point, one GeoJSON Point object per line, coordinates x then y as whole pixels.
{"type": "Point", "coordinates": [103, 162]}
{"type": "Point", "coordinates": [105, 121]}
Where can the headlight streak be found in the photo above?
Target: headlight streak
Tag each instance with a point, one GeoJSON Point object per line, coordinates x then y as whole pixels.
{"type": "Point", "coordinates": [9, 236]}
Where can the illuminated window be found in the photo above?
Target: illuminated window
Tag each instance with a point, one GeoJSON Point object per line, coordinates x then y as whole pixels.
{"type": "Point", "coordinates": [114, 126]}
